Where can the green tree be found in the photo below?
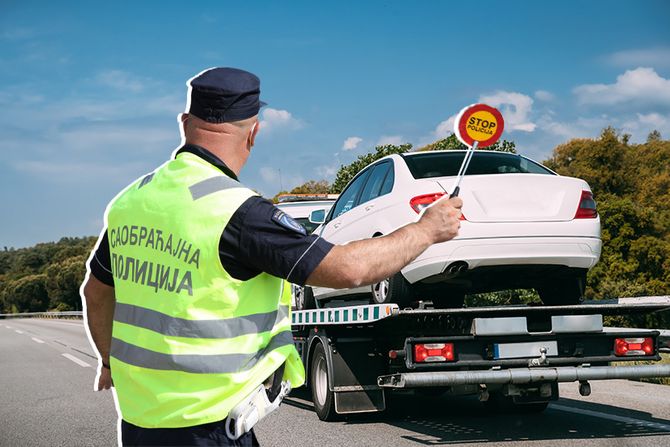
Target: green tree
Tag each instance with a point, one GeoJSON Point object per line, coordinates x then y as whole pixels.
{"type": "Point", "coordinates": [26, 294]}
{"type": "Point", "coordinates": [309, 187]}
{"type": "Point", "coordinates": [453, 143]}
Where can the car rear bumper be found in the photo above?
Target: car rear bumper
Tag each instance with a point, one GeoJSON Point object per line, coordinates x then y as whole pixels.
{"type": "Point", "coordinates": [574, 252]}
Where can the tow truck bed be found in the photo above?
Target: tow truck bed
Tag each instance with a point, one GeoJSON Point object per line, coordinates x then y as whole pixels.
{"type": "Point", "coordinates": [355, 354]}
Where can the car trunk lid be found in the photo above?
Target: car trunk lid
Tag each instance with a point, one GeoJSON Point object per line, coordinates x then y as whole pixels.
{"type": "Point", "coordinates": [518, 197]}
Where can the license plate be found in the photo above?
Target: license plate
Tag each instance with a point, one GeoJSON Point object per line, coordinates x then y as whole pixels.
{"type": "Point", "coordinates": [520, 350]}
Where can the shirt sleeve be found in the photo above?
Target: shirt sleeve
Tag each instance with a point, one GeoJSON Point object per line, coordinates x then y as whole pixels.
{"type": "Point", "coordinates": [101, 264]}
{"type": "Point", "coordinates": [261, 238]}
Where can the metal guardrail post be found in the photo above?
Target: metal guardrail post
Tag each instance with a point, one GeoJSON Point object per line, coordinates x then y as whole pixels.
{"type": "Point", "coordinates": [69, 313]}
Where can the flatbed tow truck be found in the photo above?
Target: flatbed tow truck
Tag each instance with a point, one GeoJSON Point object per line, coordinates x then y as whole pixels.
{"type": "Point", "coordinates": [513, 357]}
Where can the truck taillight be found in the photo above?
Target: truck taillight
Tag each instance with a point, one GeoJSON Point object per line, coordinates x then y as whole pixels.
{"type": "Point", "coordinates": [633, 346]}
{"type": "Point", "coordinates": [587, 206]}
{"type": "Point", "coordinates": [418, 203]}
{"type": "Point", "coordinates": [433, 352]}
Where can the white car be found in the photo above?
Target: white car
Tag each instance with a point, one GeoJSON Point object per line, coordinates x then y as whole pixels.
{"type": "Point", "coordinates": [300, 207]}
{"type": "Point", "coordinates": [524, 226]}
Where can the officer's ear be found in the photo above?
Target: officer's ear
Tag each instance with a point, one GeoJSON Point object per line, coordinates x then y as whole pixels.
{"type": "Point", "coordinates": [253, 133]}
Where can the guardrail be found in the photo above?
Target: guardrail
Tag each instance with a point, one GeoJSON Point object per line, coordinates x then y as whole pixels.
{"type": "Point", "coordinates": [67, 314]}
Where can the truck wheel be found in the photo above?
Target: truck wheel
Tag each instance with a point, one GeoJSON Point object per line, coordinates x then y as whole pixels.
{"type": "Point", "coordinates": [323, 398]}
{"type": "Point", "coordinates": [563, 290]}
{"type": "Point", "coordinates": [304, 298]}
{"type": "Point", "coordinates": [395, 289]}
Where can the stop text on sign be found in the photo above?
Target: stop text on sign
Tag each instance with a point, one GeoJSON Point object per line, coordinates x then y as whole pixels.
{"type": "Point", "coordinates": [479, 122]}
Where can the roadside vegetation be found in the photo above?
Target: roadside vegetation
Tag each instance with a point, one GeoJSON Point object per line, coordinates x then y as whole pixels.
{"type": "Point", "coordinates": [630, 182]}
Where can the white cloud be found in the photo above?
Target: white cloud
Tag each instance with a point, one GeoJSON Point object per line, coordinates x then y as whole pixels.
{"type": "Point", "coordinates": [351, 143]}
{"type": "Point", "coordinates": [269, 174]}
{"type": "Point", "coordinates": [396, 140]}
{"type": "Point", "coordinates": [78, 173]}
{"type": "Point", "coordinates": [515, 108]}
{"type": "Point", "coordinates": [120, 80]}
{"type": "Point", "coordinates": [640, 126]}
{"type": "Point", "coordinates": [581, 127]}
{"type": "Point", "coordinates": [326, 171]}
{"type": "Point", "coordinates": [640, 86]}
{"type": "Point", "coordinates": [648, 57]}
{"type": "Point", "coordinates": [543, 95]}
{"type": "Point", "coordinates": [445, 128]}
{"type": "Point", "coordinates": [273, 119]}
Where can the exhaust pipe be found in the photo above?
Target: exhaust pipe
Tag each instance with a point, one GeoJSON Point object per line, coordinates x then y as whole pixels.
{"type": "Point", "coordinates": [457, 267]}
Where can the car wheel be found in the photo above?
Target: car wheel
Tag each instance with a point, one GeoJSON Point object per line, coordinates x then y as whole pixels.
{"type": "Point", "coordinates": [322, 397]}
{"type": "Point", "coordinates": [563, 290]}
{"type": "Point", "coordinates": [395, 289]}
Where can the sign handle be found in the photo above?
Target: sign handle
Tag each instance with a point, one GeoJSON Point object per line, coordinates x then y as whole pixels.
{"type": "Point", "coordinates": [464, 167]}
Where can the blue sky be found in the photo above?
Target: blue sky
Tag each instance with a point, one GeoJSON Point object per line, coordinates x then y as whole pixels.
{"type": "Point", "coordinates": [90, 92]}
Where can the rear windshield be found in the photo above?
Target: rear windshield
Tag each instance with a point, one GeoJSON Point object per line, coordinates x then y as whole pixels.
{"type": "Point", "coordinates": [444, 164]}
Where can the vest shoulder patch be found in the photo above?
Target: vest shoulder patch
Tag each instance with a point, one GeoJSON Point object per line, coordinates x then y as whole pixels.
{"type": "Point", "coordinates": [284, 220]}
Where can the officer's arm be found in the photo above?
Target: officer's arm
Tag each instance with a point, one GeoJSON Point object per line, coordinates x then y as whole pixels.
{"type": "Point", "coordinates": [100, 303]}
{"type": "Point", "coordinates": [369, 261]}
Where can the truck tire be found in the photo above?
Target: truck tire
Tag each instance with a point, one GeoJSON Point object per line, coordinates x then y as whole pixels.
{"type": "Point", "coordinates": [322, 397]}
{"type": "Point", "coordinates": [304, 298]}
{"type": "Point", "coordinates": [395, 289]}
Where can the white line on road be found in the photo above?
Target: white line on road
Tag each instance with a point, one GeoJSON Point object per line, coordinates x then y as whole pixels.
{"type": "Point", "coordinates": [37, 340]}
{"type": "Point", "coordinates": [612, 417]}
{"type": "Point", "coordinates": [76, 360]}
{"type": "Point", "coordinates": [18, 331]}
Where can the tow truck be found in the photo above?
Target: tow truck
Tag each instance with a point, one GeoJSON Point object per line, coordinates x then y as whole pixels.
{"type": "Point", "coordinates": [513, 357]}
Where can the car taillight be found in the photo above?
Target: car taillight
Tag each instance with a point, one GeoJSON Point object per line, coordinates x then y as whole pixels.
{"type": "Point", "coordinates": [633, 346]}
{"type": "Point", "coordinates": [433, 352]}
{"type": "Point", "coordinates": [418, 203]}
{"type": "Point", "coordinates": [587, 206]}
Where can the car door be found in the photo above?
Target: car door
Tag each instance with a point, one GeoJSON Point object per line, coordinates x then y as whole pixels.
{"type": "Point", "coordinates": [338, 227]}
{"type": "Point", "coordinates": [371, 201]}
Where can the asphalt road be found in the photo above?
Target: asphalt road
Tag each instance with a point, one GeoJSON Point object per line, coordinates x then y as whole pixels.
{"type": "Point", "coordinates": [47, 370]}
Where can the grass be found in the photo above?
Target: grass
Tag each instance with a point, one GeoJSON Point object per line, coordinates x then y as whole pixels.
{"type": "Point", "coordinates": [665, 360]}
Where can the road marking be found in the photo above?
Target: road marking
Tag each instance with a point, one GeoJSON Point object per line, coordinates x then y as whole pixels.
{"type": "Point", "coordinates": [18, 331]}
{"type": "Point", "coordinates": [612, 417]}
{"type": "Point", "coordinates": [37, 340]}
{"type": "Point", "coordinates": [76, 360]}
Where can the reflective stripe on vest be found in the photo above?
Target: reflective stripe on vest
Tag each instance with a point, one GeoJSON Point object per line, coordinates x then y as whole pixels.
{"type": "Point", "coordinates": [189, 341]}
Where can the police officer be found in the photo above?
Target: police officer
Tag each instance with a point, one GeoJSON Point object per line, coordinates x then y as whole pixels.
{"type": "Point", "coordinates": [186, 298]}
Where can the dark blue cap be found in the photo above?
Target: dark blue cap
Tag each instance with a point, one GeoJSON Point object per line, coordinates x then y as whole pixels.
{"type": "Point", "coordinates": [221, 95]}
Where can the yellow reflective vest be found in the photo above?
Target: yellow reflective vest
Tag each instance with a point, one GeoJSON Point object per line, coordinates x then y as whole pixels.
{"type": "Point", "coordinates": [189, 342]}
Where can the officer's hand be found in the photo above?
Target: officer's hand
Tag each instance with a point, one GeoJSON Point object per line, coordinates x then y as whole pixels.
{"type": "Point", "coordinates": [441, 219]}
{"type": "Point", "coordinates": [104, 379]}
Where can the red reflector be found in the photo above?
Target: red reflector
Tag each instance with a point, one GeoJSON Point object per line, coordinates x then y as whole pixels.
{"type": "Point", "coordinates": [587, 207]}
{"type": "Point", "coordinates": [633, 346]}
{"type": "Point", "coordinates": [418, 203]}
{"type": "Point", "coordinates": [433, 352]}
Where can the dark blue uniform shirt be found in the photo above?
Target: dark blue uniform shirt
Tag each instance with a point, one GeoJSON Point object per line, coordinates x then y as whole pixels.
{"type": "Point", "coordinates": [258, 238]}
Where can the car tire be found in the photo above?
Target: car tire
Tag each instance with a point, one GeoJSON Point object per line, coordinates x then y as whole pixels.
{"type": "Point", "coordinates": [395, 289]}
{"type": "Point", "coordinates": [304, 298]}
{"type": "Point", "coordinates": [563, 290]}
{"type": "Point", "coordinates": [322, 397]}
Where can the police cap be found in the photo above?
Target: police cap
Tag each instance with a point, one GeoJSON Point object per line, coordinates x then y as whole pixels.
{"type": "Point", "coordinates": [221, 95]}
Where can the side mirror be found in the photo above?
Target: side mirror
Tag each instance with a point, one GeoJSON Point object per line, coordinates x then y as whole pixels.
{"type": "Point", "coordinates": [317, 216]}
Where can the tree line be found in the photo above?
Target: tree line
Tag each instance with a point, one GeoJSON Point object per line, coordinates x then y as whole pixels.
{"type": "Point", "coordinates": [630, 182]}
